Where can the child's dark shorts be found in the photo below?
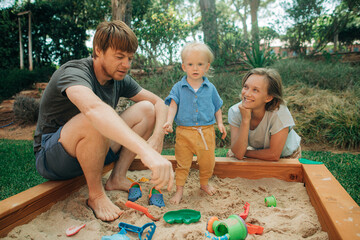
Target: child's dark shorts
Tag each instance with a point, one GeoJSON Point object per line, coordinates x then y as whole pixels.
{"type": "Point", "coordinates": [54, 163]}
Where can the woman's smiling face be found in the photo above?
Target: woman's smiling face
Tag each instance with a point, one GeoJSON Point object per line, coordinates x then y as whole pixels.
{"type": "Point", "coordinates": [254, 93]}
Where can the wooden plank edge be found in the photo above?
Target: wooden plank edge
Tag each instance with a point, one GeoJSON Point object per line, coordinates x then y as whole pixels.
{"type": "Point", "coordinates": [25, 206]}
{"type": "Point", "coordinates": [285, 169]}
{"type": "Point", "coordinates": [338, 213]}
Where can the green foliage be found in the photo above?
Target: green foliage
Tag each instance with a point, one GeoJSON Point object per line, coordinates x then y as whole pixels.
{"type": "Point", "coordinates": [17, 167]}
{"type": "Point", "coordinates": [305, 14]}
{"type": "Point", "coordinates": [26, 109]}
{"type": "Point", "coordinates": [325, 75]}
{"type": "Point", "coordinates": [257, 57]}
{"type": "Point", "coordinates": [58, 30]}
{"type": "Point", "coordinates": [9, 41]}
{"type": "Point", "coordinates": [159, 32]}
{"type": "Point", "coordinates": [16, 80]}
{"type": "Point", "coordinates": [324, 101]}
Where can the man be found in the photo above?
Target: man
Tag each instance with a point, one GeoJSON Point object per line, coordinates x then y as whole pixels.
{"type": "Point", "coordinates": [78, 130]}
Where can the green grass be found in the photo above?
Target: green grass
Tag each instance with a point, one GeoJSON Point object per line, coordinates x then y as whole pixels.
{"type": "Point", "coordinates": [17, 167]}
{"type": "Point", "coordinates": [18, 173]}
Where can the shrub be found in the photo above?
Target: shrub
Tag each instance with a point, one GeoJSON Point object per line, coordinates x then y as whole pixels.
{"type": "Point", "coordinates": [26, 109]}
{"type": "Point", "coordinates": [15, 80]}
{"type": "Point", "coordinates": [324, 116]}
{"type": "Point", "coordinates": [325, 75]}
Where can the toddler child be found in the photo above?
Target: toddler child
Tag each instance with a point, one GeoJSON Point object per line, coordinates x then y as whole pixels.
{"type": "Point", "coordinates": [195, 105]}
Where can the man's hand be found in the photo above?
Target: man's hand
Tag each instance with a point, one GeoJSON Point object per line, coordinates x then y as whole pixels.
{"type": "Point", "coordinates": [162, 171]}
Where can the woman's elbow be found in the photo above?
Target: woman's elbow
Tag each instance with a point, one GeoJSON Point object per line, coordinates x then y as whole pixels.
{"type": "Point", "coordinates": [238, 154]}
{"type": "Point", "coordinates": [274, 156]}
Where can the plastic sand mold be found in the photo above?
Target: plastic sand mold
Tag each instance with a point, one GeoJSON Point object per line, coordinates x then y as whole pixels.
{"type": "Point", "coordinates": [186, 216]}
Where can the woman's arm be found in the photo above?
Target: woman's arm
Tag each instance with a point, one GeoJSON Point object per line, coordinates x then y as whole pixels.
{"type": "Point", "coordinates": [273, 153]}
{"type": "Point", "coordinates": [239, 139]}
{"type": "Point", "coordinates": [240, 135]}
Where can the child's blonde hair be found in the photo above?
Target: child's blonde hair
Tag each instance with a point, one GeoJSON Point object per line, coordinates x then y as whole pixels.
{"type": "Point", "coordinates": [198, 47]}
{"type": "Point", "coordinates": [275, 88]}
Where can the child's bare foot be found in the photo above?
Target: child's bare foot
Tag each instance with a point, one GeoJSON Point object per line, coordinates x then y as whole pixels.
{"type": "Point", "coordinates": [178, 195]}
{"type": "Point", "coordinates": [208, 189]}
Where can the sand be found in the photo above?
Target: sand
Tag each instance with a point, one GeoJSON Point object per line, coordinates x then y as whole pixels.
{"type": "Point", "coordinates": [292, 218]}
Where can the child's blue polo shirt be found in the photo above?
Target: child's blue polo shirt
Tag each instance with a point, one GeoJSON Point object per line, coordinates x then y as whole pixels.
{"type": "Point", "coordinates": [195, 108]}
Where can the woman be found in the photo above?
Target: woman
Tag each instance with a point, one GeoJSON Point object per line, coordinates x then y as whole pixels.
{"type": "Point", "coordinates": [261, 125]}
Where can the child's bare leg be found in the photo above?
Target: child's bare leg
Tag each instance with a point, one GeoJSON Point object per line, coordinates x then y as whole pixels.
{"type": "Point", "coordinates": [178, 195]}
{"type": "Point", "coordinates": [208, 189]}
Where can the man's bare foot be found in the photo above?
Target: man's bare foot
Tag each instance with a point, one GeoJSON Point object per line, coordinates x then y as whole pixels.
{"type": "Point", "coordinates": [208, 189]}
{"type": "Point", "coordinates": [104, 209]}
{"type": "Point", "coordinates": [178, 195]}
{"type": "Point", "coordinates": [122, 184]}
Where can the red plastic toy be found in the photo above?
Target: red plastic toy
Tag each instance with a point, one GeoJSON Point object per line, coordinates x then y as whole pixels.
{"type": "Point", "coordinates": [246, 212]}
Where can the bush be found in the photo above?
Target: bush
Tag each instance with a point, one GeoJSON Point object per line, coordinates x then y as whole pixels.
{"type": "Point", "coordinates": [325, 75]}
{"type": "Point", "coordinates": [26, 109]}
{"type": "Point", "coordinates": [324, 116]}
{"type": "Point", "coordinates": [15, 80]}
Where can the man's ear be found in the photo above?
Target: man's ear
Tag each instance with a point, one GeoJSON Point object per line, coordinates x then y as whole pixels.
{"type": "Point", "coordinates": [97, 51]}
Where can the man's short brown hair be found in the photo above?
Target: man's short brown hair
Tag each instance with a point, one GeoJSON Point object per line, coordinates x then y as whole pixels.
{"type": "Point", "coordinates": [115, 34]}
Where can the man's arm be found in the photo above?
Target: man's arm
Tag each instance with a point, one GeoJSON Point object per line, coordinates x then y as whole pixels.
{"type": "Point", "coordinates": [157, 138]}
{"type": "Point", "coordinates": [108, 123]}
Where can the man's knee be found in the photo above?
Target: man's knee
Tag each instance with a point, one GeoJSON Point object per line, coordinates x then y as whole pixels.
{"type": "Point", "coordinates": [147, 108]}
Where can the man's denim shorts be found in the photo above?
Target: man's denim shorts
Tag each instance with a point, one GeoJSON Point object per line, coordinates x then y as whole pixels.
{"type": "Point", "coordinates": [54, 163]}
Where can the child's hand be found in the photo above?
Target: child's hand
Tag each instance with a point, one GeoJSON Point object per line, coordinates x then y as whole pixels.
{"type": "Point", "coordinates": [168, 128]}
{"type": "Point", "coordinates": [222, 129]}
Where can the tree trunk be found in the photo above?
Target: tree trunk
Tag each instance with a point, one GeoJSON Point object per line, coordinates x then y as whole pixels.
{"type": "Point", "coordinates": [119, 9]}
{"type": "Point", "coordinates": [244, 4]}
{"type": "Point", "coordinates": [254, 7]}
{"type": "Point", "coordinates": [209, 24]}
{"type": "Point", "coordinates": [128, 13]}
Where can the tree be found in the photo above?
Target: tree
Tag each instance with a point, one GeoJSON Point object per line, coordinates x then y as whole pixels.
{"type": "Point", "coordinates": [58, 30]}
{"type": "Point", "coordinates": [304, 13]}
{"type": "Point", "coordinates": [121, 10]}
{"type": "Point", "coordinates": [159, 32]}
{"type": "Point", "coordinates": [9, 41]}
{"type": "Point", "coordinates": [209, 24]}
{"type": "Point", "coordinates": [254, 7]}
{"type": "Point", "coordinates": [242, 10]}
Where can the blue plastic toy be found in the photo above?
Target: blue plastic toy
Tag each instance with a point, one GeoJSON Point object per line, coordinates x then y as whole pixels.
{"type": "Point", "coordinates": [119, 236]}
{"type": "Point", "coordinates": [139, 230]}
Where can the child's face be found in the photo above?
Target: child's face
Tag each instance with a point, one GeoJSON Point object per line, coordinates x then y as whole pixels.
{"type": "Point", "coordinates": [196, 64]}
{"type": "Point", "coordinates": [254, 93]}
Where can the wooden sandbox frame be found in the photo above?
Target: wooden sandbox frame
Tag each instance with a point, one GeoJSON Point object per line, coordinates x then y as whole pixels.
{"type": "Point", "coordinates": [338, 213]}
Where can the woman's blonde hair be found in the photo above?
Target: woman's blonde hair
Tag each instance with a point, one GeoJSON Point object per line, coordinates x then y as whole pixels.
{"type": "Point", "coordinates": [115, 34]}
{"type": "Point", "coordinates": [275, 88]}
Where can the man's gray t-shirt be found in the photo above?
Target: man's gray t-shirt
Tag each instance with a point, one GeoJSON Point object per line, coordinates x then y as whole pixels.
{"type": "Point", "coordinates": [55, 107]}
